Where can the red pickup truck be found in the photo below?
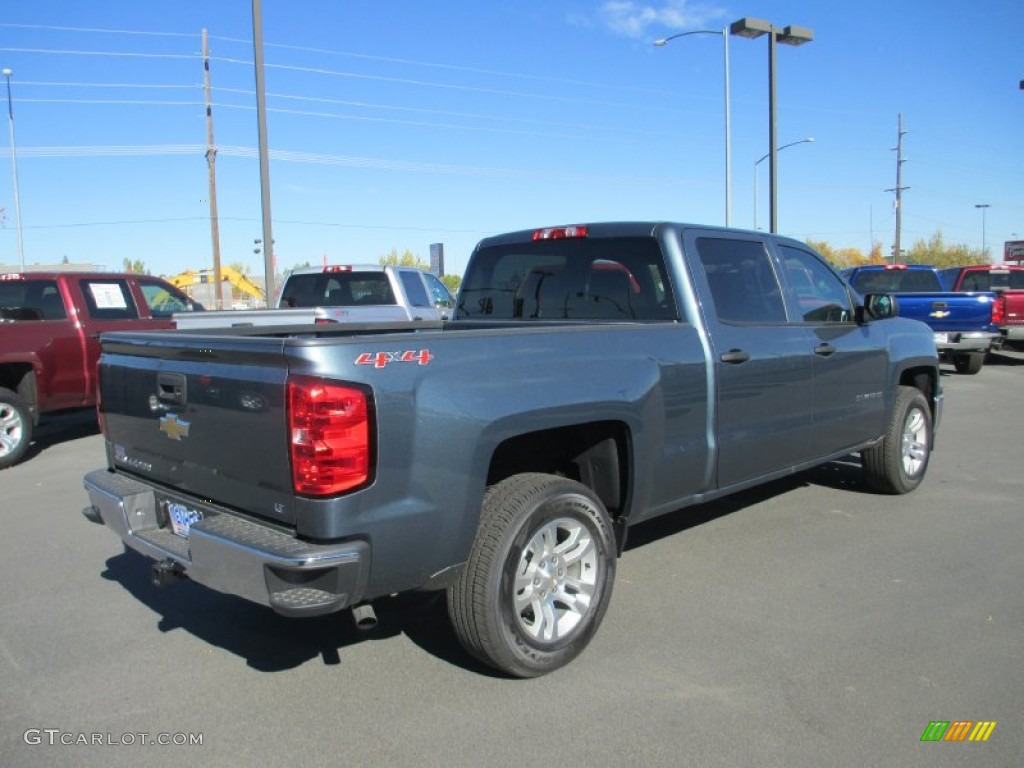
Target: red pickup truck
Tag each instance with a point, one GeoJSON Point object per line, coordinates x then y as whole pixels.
{"type": "Point", "coordinates": [1006, 281]}
{"type": "Point", "coordinates": [50, 324]}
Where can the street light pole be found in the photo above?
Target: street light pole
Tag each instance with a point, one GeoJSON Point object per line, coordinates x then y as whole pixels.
{"type": "Point", "coordinates": [14, 172]}
{"type": "Point", "coordinates": [728, 116]}
{"type": "Point", "coordinates": [264, 152]}
{"type": "Point", "coordinates": [808, 140]}
{"type": "Point", "coordinates": [791, 35]}
{"type": "Point", "coordinates": [984, 207]}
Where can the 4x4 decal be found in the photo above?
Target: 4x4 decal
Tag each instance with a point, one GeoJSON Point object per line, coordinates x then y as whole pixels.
{"type": "Point", "coordinates": [381, 359]}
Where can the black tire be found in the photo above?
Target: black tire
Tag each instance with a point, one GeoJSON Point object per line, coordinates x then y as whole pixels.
{"type": "Point", "coordinates": [15, 428]}
{"type": "Point", "coordinates": [898, 464]}
{"type": "Point", "coordinates": [539, 576]}
{"type": "Point", "coordinates": [969, 363]}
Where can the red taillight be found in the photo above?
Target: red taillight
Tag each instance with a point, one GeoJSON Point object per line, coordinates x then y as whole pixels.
{"type": "Point", "coordinates": [999, 310]}
{"type": "Point", "coordinates": [560, 233]}
{"type": "Point", "coordinates": [329, 425]}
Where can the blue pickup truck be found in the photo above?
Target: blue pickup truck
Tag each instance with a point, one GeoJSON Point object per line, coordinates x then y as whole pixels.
{"type": "Point", "coordinates": [595, 376]}
{"type": "Point", "coordinates": [965, 324]}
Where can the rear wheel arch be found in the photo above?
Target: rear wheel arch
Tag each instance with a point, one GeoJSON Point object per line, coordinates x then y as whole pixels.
{"type": "Point", "coordinates": [596, 454]}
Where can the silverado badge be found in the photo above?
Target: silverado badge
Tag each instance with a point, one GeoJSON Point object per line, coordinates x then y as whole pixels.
{"type": "Point", "coordinates": [173, 428]}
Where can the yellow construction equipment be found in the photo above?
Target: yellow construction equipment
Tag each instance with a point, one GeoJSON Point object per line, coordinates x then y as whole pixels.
{"type": "Point", "coordinates": [238, 281]}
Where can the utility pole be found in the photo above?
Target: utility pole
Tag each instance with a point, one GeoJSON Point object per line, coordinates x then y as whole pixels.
{"type": "Point", "coordinates": [898, 189]}
{"type": "Point", "coordinates": [211, 163]}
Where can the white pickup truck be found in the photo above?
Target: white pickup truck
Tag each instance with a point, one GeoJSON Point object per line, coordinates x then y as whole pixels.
{"type": "Point", "coordinates": [341, 294]}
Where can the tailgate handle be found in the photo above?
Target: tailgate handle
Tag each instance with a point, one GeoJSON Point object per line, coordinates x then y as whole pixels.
{"type": "Point", "coordinates": [171, 388]}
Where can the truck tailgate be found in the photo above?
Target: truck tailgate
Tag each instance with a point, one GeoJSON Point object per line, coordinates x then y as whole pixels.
{"type": "Point", "coordinates": [953, 312]}
{"type": "Point", "coordinates": [207, 421]}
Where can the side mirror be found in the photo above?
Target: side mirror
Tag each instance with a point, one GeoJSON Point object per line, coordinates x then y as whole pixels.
{"type": "Point", "coordinates": [879, 306]}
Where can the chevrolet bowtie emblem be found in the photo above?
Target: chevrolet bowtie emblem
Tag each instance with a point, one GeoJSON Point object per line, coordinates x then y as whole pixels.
{"type": "Point", "coordinates": [173, 428]}
{"type": "Point", "coordinates": [939, 313]}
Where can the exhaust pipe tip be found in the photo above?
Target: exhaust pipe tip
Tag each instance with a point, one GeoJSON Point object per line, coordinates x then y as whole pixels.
{"type": "Point", "coordinates": [364, 617]}
{"type": "Point", "coordinates": [92, 514]}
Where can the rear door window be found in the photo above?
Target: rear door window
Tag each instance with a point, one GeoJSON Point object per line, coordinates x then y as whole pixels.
{"type": "Point", "coordinates": [413, 285]}
{"type": "Point", "coordinates": [743, 283]}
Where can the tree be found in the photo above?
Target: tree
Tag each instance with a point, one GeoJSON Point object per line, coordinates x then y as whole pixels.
{"type": "Point", "coordinates": [452, 283]}
{"type": "Point", "coordinates": [407, 259]}
{"type": "Point", "coordinates": [937, 253]}
{"type": "Point", "coordinates": [843, 257]}
{"type": "Point", "coordinates": [138, 266]}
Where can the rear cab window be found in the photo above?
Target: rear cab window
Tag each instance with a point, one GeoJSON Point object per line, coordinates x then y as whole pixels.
{"type": "Point", "coordinates": [338, 289]}
{"type": "Point", "coordinates": [32, 299]}
{"type": "Point", "coordinates": [896, 280]}
{"type": "Point", "coordinates": [569, 279]}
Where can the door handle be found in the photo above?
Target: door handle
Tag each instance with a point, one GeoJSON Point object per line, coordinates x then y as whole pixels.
{"type": "Point", "coordinates": [824, 350]}
{"type": "Point", "coordinates": [735, 356]}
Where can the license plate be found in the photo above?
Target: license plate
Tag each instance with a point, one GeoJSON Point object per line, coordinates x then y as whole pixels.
{"type": "Point", "coordinates": [182, 518]}
{"type": "Point", "coordinates": [941, 338]}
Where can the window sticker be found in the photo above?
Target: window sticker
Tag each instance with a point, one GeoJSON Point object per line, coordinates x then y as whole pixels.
{"type": "Point", "coordinates": [107, 296]}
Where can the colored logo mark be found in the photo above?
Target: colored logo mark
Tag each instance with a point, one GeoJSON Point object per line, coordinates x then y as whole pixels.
{"type": "Point", "coordinates": [958, 730]}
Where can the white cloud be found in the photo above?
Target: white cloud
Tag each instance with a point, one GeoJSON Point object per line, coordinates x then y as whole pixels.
{"type": "Point", "coordinates": [637, 19]}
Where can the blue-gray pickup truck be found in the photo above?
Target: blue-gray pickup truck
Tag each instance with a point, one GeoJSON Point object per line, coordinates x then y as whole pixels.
{"type": "Point", "coordinates": [595, 376]}
{"type": "Point", "coordinates": [965, 324]}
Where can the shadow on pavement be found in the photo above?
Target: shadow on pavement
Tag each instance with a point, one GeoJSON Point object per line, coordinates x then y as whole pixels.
{"type": "Point", "coordinates": [61, 427]}
{"type": "Point", "coordinates": [843, 474]}
{"type": "Point", "coordinates": [272, 643]}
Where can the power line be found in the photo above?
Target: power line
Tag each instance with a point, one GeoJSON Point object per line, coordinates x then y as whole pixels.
{"type": "Point", "coordinates": [95, 30]}
{"type": "Point", "coordinates": [126, 54]}
{"type": "Point", "coordinates": [361, 56]}
{"type": "Point", "coordinates": [346, 161]}
{"type": "Point", "coordinates": [42, 84]}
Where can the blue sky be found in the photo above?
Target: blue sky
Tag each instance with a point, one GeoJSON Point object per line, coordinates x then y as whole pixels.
{"type": "Point", "coordinates": [400, 124]}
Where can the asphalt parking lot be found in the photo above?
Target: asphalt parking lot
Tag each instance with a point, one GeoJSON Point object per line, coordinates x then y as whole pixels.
{"type": "Point", "coordinates": [807, 623]}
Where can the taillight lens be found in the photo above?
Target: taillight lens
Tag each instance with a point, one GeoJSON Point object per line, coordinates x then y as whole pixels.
{"type": "Point", "coordinates": [999, 310]}
{"type": "Point", "coordinates": [330, 436]}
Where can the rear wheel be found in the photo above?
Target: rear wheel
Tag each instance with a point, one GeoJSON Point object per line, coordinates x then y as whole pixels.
{"type": "Point", "coordinates": [539, 577]}
{"type": "Point", "coordinates": [898, 463]}
{"type": "Point", "coordinates": [15, 428]}
{"type": "Point", "coordinates": [970, 363]}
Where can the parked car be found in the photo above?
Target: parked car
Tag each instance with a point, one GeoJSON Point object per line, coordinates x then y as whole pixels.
{"type": "Point", "coordinates": [595, 376]}
{"type": "Point", "coordinates": [1007, 282]}
{"type": "Point", "coordinates": [966, 325]}
{"type": "Point", "coordinates": [344, 294]}
{"type": "Point", "coordinates": [50, 323]}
